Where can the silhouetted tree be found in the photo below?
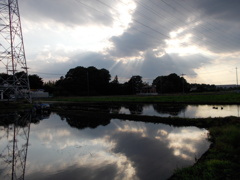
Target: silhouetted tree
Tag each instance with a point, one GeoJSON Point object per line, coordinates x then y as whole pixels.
{"type": "Point", "coordinates": [202, 87]}
{"type": "Point", "coordinates": [59, 87]}
{"type": "Point", "coordinates": [3, 76]}
{"type": "Point", "coordinates": [135, 84]}
{"type": "Point", "coordinates": [85, 81]}
{"type": "Point", "coordinates": [114, 87]}
{"type": "Point", "coordinates": [35, 82]}
{"type": "Point", "coordinates": [50, 86]}
{"type": "Point", "coordinates": [115, 81]}
{"type": "Point", "coordinates": [170, 84]}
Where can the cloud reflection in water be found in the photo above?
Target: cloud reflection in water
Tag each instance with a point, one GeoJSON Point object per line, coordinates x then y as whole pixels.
{"type": "Point", "coordinates": [118, 150]}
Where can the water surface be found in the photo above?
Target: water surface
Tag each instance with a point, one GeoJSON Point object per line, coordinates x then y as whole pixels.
{"type": "Point", "coordinates": [70, 147]}
{"type": "Point", "coordinates": [180, 110]}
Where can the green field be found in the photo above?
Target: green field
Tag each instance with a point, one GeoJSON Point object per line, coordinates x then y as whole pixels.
{"type": "Point", "coordinates": [208, 98]}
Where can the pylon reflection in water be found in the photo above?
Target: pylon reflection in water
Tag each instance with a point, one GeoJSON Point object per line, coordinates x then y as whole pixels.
{"type": "Point", "coordinates": [14, 140]}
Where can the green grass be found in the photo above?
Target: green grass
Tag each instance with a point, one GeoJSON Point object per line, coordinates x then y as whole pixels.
{"type": "Point", "coordinates": [213, 169]}
{"type": "Point", "coordinates": [208, 98]}
{"type": "Point", "coordinates": [13, 106]}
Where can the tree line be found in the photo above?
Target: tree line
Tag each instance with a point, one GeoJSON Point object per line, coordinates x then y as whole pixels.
{"type": "Point", "coordinates": [82, 81]}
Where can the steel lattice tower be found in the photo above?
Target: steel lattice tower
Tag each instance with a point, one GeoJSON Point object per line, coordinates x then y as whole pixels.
{"type": "Point", "coordinates": [14, 81]}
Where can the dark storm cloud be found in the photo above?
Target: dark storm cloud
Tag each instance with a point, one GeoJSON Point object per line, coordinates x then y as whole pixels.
{"type": "Point", "coordinates": [220, 23]}
{"type": "Point", "coordinates": [130, 44]}
{"type": "Point", "coordinates": [220, 9]}
{"type": "Point", "coordinates": [153, 66]}
{"type": "Point", "coordinates": [71, 12]}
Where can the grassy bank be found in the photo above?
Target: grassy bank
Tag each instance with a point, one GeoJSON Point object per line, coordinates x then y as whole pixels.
{"type": "Point", "coordinates": [13, 106]}
{"type": "Point", "coordinates": [208, 98]}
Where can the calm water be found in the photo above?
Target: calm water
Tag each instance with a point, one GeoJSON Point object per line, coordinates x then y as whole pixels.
{"type": "Point", "coordinates": [188, 111]}
{"type": "Point", "coordinates": [68, 147]}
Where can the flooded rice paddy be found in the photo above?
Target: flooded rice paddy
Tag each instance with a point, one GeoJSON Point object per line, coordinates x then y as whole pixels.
{"type": "Point", "coordinates": [56, 146]}
{"type": "Point", "coordinates": [59, 146]}
{"type": "Point", "coordinates": [179, 110]}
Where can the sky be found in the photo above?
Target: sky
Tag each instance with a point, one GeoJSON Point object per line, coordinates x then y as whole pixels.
{"type": "Point", "coordinates": [199, 39]}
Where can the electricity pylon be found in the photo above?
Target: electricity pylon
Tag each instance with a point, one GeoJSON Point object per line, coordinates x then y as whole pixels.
{"type": "Point", "coordinates": [14, 82]}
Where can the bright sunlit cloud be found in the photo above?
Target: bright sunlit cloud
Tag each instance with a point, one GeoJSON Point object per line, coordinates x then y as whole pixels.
{"type": "Point", "coordinates": [184, 141]}
{"type": "Point", "coordinates": [55, 39]}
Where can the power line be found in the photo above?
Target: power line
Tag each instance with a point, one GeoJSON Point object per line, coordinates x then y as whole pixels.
{"type": "Point", "coordinates": [115, 18]}
{"type": "Point", "coordinates": [177, 17]}
{"type": "Point", "coordinates": [223, 34]}
{"type": "Point", "coordinates": [156, 13]}
{"type": "Point", "coordinates": [137, 21]}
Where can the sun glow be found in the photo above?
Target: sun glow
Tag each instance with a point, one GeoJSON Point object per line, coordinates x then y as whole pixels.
{"type": "Point", "coordinates": [181, 45]}
{"type": "Point", "coordinates": [124, 13]}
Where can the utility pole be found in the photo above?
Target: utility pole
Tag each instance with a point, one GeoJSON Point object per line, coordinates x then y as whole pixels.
{"type": "Point", "coordinates": [14, 82]}
{"type": "Point", "coordinates": [183, 82]}
{"type": "Point", "coordinates": [237, 77]}
{"type": "Point", "coordinates": [88, 83]}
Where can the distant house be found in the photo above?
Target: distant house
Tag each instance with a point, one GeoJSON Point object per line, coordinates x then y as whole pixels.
{"type": "Point", "coordinates": [39, 93]}
{"type": "Point", "coordinates": [227, 86]}
{"type": "Point", "coordinates": [148, 90]}
{"type": "Point", "coordinates": [35, 93]}
{"type": "Point", "coordinates": [193, 89]}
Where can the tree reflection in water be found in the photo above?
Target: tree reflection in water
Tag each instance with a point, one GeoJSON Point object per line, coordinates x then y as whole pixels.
{"type": "Point", "coordinates": [84, 121]}
{"type": "Point", "coordinates": [170, 109]}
